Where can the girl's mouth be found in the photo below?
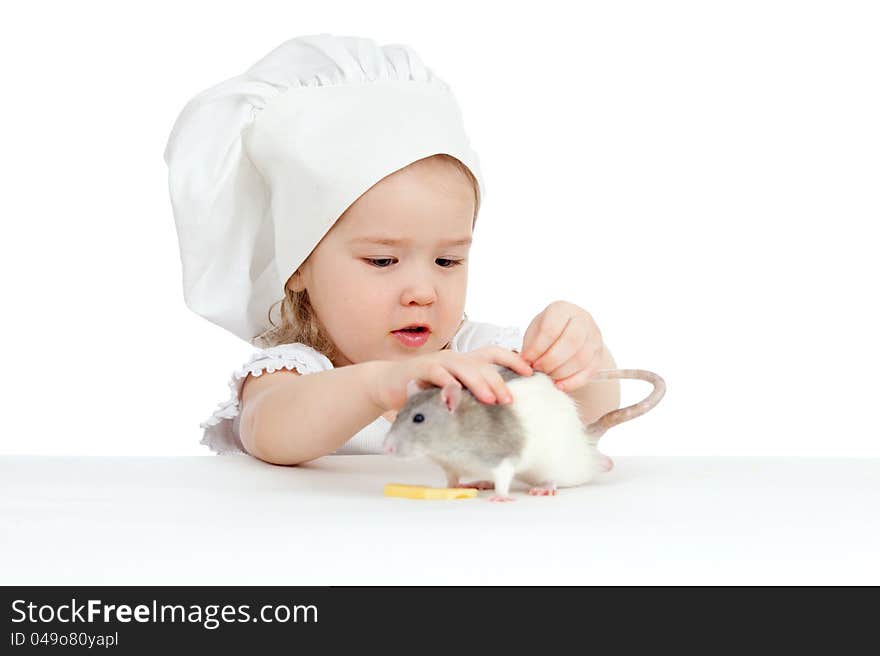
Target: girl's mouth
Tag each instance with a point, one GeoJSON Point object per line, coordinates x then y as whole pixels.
{"type": "Point", "coordinates": [412, 336]}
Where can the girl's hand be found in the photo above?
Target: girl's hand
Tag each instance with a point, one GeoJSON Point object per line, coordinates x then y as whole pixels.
{"type": "Point", "coordinates": [474, 369]}
{"type": "Point", "coordinates": [564, 342]}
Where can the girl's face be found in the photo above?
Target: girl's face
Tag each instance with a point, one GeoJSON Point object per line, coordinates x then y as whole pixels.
{"type": "Point", "coordinates": [363, 289]}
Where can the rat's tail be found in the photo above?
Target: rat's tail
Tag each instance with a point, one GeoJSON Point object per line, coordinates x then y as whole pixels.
{"type": "Point", "coordinates": [606, 421]}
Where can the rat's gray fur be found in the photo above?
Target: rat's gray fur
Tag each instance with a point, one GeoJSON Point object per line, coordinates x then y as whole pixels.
{"type": "Point", "coordinates": [449, 436]}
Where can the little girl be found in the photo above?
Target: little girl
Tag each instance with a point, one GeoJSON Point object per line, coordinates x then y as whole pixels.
{"type": "Point", "coordinates": [334, 185]}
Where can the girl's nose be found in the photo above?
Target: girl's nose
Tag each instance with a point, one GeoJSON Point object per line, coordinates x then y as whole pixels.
{"type": "Point", "coordinates": [422, 294]}
{"type": "Point", "coordinates": [420, 288]}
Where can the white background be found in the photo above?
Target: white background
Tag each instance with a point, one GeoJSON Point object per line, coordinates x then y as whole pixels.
{"type": "Point", "coordinates": [700, 176]}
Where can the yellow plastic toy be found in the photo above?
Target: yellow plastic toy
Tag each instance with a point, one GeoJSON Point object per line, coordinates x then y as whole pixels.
{"type": "Point", "coordinates": [421, 492]}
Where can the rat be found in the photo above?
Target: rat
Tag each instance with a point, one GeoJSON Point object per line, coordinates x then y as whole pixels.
{"type": "Point", "coordinates": [538, 438]}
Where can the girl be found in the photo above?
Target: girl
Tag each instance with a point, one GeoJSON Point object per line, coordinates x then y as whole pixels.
{"type": "Point", "coordinates": [333, 184]}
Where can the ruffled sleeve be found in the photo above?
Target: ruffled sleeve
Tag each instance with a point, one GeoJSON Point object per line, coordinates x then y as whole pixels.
{"type": "Point", "coordinates": [221, 428]}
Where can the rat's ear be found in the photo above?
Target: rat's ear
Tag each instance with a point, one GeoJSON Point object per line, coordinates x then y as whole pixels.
{"type": "Point", "coordinates": [451, 395]}
{"type": "Point", "coordinates": [412, 387]}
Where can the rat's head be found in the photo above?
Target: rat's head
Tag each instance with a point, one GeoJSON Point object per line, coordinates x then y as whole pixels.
{"type": "Point", "coordinates": [425, 422]}
{"type": "Point", "coordinates": [396, 258]}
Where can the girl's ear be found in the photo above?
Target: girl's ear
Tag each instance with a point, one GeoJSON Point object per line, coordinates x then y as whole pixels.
{"type": "Point", "coordinates": [295, 282]}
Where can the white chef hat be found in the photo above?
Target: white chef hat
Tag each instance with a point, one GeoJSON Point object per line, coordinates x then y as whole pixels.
{"type": "Point", "coordinates": [262, 165]}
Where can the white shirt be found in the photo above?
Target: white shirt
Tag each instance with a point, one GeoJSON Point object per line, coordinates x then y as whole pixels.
{"type": "Point", "coordinates": [221, 428]}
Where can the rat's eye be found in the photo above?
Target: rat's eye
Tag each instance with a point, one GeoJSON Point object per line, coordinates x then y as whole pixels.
{"type": "Point", "coordinates": [419, 418]}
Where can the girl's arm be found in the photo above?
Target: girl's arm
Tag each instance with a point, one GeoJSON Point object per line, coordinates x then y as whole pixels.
{"type": "Point", "coordinates": [287, 419]}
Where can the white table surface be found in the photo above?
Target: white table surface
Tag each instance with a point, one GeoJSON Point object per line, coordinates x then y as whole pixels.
{"type": "Point", "coordinates": [234, 520]}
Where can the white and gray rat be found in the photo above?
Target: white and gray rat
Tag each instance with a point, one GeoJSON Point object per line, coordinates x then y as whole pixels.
{"type": "Point", "coordinates": [538, 438]}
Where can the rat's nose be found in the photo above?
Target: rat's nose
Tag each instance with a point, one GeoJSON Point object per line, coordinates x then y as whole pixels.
{"type": "Point", "coordinates": [388, 448]}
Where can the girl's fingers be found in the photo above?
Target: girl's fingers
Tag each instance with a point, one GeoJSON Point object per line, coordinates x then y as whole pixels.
{"type": "Point", "coordinates": [476, 371]}
{"type": "Point", "coordinates": [575, 382]}
{"type": "Point", "coordinates": [505, 357]}
{"type": "Point", "coordinates": [570, 341]}
{"type": "Point", "coordinates": [516, 362]}
{"type": "Point", "coordinates": [441, 376]}
{"type": "Point", "coordinates": [578, 362]}
{"type": "Point", "coordinates": [509, 359]}
{"type": "Point", "coordinates": [475, 381]}
{"type": "Point", "coordinates": [499, 387]}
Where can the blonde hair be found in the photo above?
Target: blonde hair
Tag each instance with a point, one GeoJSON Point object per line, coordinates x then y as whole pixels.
{"type": "Point", "coordinates": [300, 323]}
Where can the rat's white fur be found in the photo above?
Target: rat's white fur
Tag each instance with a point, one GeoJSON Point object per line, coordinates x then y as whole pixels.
{"type": "Point", "coordinates": [557, 448]}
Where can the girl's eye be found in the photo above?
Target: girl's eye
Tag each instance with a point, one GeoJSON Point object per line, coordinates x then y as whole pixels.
{"type": "Point", "coordinates": [384, 262]}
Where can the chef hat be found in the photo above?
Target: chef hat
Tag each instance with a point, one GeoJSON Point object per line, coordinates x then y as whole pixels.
{"type": "Point", "coordinates": [262, 165]}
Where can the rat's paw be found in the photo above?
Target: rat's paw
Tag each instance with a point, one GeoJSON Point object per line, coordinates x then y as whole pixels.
{"type": "Point", "coordinates": [544, 491]}
{"type": "Point", "coordinates": [479, 485]}
{"type": "Point", "coordinates": [500, 499]}
{"type": "Point", "coordinates": [606, 464]}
